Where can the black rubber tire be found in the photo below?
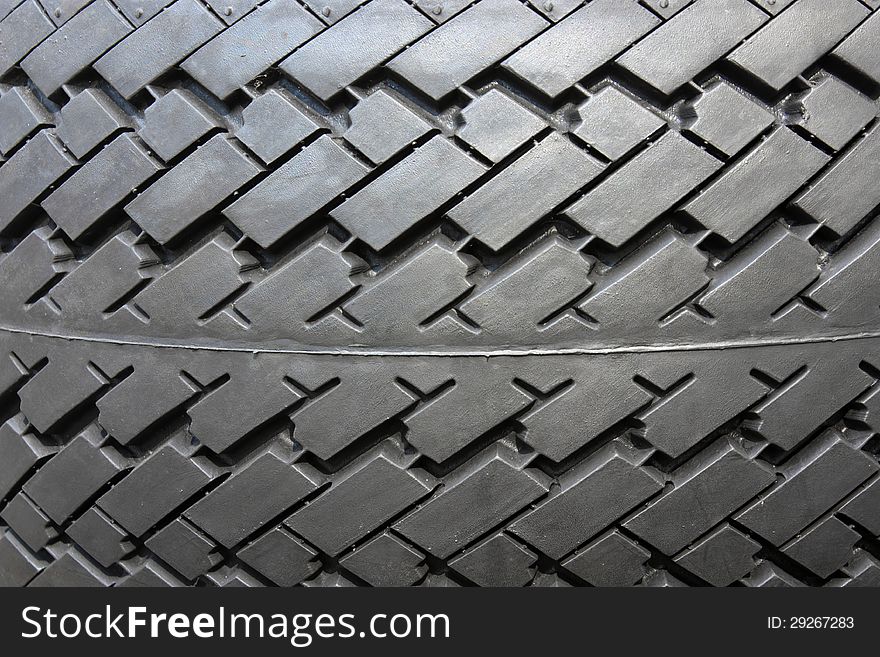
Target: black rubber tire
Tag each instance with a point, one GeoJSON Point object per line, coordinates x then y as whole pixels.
{"type": "Point", "coordinates": [388, 293]}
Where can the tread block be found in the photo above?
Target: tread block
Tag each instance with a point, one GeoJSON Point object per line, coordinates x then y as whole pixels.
{"type": "Point", "coordinates": [97, 535]}
{"type": "Point", "coordinates": [409, 294]}
{"type": "Point", "coordinates": [12, 375]}
{"type": "Point", "coordinates": [835, 112]}
{"type": "Point", "coordinates": [355, 45]}
{"type": "Point", "coordinates": [192, 188]}
{"type": "Point", "coordinates": [359, 502]}
{"type": "Point", "coordinates": [17, 565]}
{"type": "Point", "coordinates": [20, 454]}
{"type": "Point", "coordinates": [21, 31]}
{"type": "Point", "coordinates": [815, 478]}
{"type": "Point", "coordinates": [746, 288]}
{"type": "Point", "coordinates": [258, 394]}
{"type": "Point", "coordinates": [526, 191]}
{"type": "Point", "coordinates": [6, 6]}
{"type": "Point", "coordinates": [465, 509]}
{"type": "Point", "coordinates": [467, 44]}
{"type": "Point", "coordinates": [386, 561]}
{"type": "Point", "coordinates": [706, 489]}
{"type": "Point", "coordinates": [521, 297]}
{"type": "Point", "coordinates": [185, 549]}
{"type": "Point", "coordinates": [607, 210]}
{"type": "Point", "coordinates": [281, 557]}
{"type": "Point", "coordinates": [29, 523]}
{"type": "Point", "coordinates": [857, 49]}
{"type": "Point", "coordinates": [175, 122]}
{"type": "Point", "coordinates": [100, 185]}
{"type": "Point", "coordinates": [193, 286]}
{"type": "Point", "coordinates": [74, 46]}
{"type": "Point", "coordinates": [342, 408]}
{"type": "Point", "coordinates": [667, 266]}
{"type": "Point", "coordinates": [71, 477]}
{"type": "Point", "coordinates": [298, 290]}
{"type": "Point", "coordinates": [481, 402]}
{"type": "Point", "coordinates": [496, 125]}
{"type": "Point", "coordinates": [157, 46]}
{"type": "Point", "coordinates": [590, 497]}
{"type": "Point", "coordinates": [497, 562]}
{"type": "Point", "coordinates": [797, 37]}
{"type": "Point", "coordinates": [409, 191]}
{"type": "Point", "coordinates": [599, 398]}
{"type": "Point", "coordinates": [27, 174]}
{"type": "Point", "coordinates": [140, 400]}
{"type": "Point", "coordinates": [794, 410]}
{"type": "Point", "coordinates": [843, 289]}
{"type": "Point", "coordinates": [845, 193]}
{"type": "Point", "coordinates": [278, 26]}
{"type": "Point", "coordinates": [610, 560]}
{"type": "Point", "coordinates": [381, 125]}
{"type": "Point", "coordinates": [864, 508]}
{"type": "Point", "coordinates": [675, 52]}
{"type": "Point", "coordinates": [671, 423]}
{"type": "Point", "coordinates": [88, 119]}
{"type": "Point", "coordinates": [97, 282]}
{"type": "Point", "coordinates": [613, 123]}
{"type": "Point", "coordinates": [153, 489]}
{"type": "Point", "coordinates": [727, 119]}
{"type": "Point", "coordinates": [823, 548]}
{"type": "Point", "coordinates": [20, 115]}
{"type": "Point", "coordinates": [69, 571]}
{"type": "Point", "coordinates": [720, 558]}
{"type": "Point", "coordinates": [273, 125]}
{"type": "Point", "coordinates": [34, 263]}
{"type": "Point", "coordinates": [59, 388]}
{"type": "Point", "coordinates": [782, 157]}
{"type": "Point", "coordinates": [251, 497]}
{"type": "Point", "coordinates": [295, 191]}
{"type": "Point", "coordinates": [578, 45]}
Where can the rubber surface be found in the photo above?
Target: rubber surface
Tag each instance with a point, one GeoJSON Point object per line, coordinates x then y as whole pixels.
{"type": "Point", "coordinates": [410, 293]}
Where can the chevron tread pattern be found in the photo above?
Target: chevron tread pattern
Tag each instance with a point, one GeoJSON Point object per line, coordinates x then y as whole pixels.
{"type": "Point", "coordinates": [400, 167]}
{"type": "Point", "coordinates": [194, 249]}
{"type": "Point", "coordinates": [438, 467]}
